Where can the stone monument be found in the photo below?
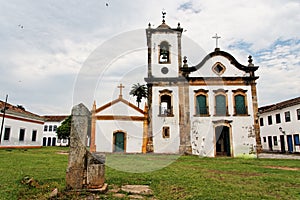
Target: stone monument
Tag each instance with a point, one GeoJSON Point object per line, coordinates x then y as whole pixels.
{"type": "Point", "coordinates": [85, 169]}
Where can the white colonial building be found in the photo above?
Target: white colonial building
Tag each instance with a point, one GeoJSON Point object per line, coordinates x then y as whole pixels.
{"type": "Point", "coordinates": [280, 126]}
{"type": "Point", "coordinates": [52, 122]}
{"type": "Point", "coordinates": [21, 129]}
{"type": "Point", "coordinates": [209, 109]}
{"type": "Point", "coordinates": [121, 127]}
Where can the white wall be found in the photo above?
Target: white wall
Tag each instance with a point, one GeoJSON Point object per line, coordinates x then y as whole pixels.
{"type": "Point", "coordinates": [15, 126]}
{"type": "Point", "coordinates": [206, 69]}
{"type": "Point", "coordinates": [171, 38]}
{"type": "Point", "coordinates": [202, 128]}
{"type": "Point", "coordinates": [52, 134]}
{"type": "Point", "coordinates": [290, 128]}
{"type": "Point", "coordinates": [106, 128]}
{"type": "Point", "coordinates": [165, 145]}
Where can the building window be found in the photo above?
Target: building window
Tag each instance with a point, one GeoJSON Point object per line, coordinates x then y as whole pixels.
{"type": "Point", "coordinates": [166, 108]}
{"type": "Point", "coordinates": [278, 120]}
{"type": "Point", "coordinates": [201, 102]}
{"type": "Point", "coordinates": [54, 128]}
{"type": "Point", "coordinates": [164, 52]}
{"type": "Point", "coordinates": [261, 121]}
{"type": "Point", "coordinates": [50, 128]}
{"type": "Point", "coordinates": [6, 133]}
{"type": "Point", "coordinates": [296, 139]}
{"type": "Point", "coordinates": [287, 116]}
{"type": "Point", "coordinates": [298, 114]}
{"type": "Point", "coordinates": [166, 132]}
{"type": "Point", "coordinates": [264, 139]}
{"type": "Point", "coordinates": [201, 105]}
{"type": "Point", "coordinates": [45, 128]}
{"type": "Point", "coordinates": [218, 68]}
{"type": "Point", "coordinates": [34, 133]}
{"type": "Point", "coordinates": [275, 140]}
{"type": "Point", "coordinates": [240, 106]}
{"type": "Point", "coordinates": [270, 120]}
{"type": "Point", "coordinates": [22, 134]}
{"type": "Point", "coordinates": [221, 108]}
{"type": "Point", "coordinates": [221, 105]}
{"type": "Point", "coordinates": [240, 102]}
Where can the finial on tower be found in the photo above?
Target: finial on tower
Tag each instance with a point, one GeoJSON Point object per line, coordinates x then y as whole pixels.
{"type": "Point", "coordinates": [185, 62]}
{"type": "Point", "coordinates": [250, 61]}
{"type": "Point", "coordinates": [163, 15]}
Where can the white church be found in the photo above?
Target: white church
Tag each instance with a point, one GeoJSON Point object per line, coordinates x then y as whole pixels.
{"type": "Point", "coordinates": [209, 109]}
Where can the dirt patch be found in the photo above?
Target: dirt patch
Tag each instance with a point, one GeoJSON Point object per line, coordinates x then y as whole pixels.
{"type": "Point", "coordinates": [283, 168]}
{"type": "Point", "coordinates": [63, 152]}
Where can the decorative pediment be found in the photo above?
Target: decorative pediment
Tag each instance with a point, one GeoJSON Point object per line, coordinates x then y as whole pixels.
{"type": "Point", "coordinates": [121, 100]}
{"type": "Point", "coordinates": [239, 90]}
{"type": "Point", "coordinates": [222, 121]}
{"type": "Point", "coordinates": [165, 91]}
{"type": "Point", "coordinates": [201, 91]}
{"type": "Point", "coordinates": [220, 91]}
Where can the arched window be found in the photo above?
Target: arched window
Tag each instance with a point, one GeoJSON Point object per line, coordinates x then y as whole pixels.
{"type": "Point", "coordinates": [221, 104]}
{"type": "Point", "coordinates": [221, 108]}
{"type": "Point", "coordinates": [54, 128]}
{"type": "Point", "coordinates": [164, 52]}
{"type": "Point", "coordinates": [201, 103]}
{"type": "Point", "coordinates": [165, 107]}
{"type": "Point", "coordinates": [240, 102]}
{"type": "Point", "coordinates": [45, 128]}
{"type": "Point", "coordinates": [240, 107]}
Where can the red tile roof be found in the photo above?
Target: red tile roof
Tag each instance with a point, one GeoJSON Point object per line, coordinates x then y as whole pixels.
{"type": "Point", "coordinates": [54, 118]}
{"type": "Point", "coordinates": [280, 105]}
{"type": "Point", "coordinates": [19, 111]}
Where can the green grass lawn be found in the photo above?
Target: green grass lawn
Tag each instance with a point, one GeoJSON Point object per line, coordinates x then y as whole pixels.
{"type": "Point", "coordinates": [170, 177]}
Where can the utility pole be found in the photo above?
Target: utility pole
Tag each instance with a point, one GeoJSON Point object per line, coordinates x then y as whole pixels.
{"type": "Point", "coordinates": [3, 116]}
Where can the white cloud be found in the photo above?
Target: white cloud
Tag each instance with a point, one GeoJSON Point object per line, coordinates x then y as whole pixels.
{"type": "Point", "coordinates": [41, 59]}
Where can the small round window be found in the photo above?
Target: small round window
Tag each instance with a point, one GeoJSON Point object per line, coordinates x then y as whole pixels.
{"type": "Point", "coordinates": [164, 70]}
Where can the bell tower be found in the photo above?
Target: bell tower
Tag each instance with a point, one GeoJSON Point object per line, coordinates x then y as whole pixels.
{"type": "Point", "coordinates": [168, 124]}
{"type": "Point", "coordinates": [164, 50]}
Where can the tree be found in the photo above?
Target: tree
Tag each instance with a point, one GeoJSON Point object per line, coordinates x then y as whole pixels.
{"type": "Point", "coordinates": [64, 130]}
{"type": "Point", "coordinates": [140, 91]}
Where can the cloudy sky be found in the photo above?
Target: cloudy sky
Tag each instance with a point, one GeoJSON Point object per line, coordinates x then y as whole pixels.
{"type": "Point", "coordinates": [48, 48]}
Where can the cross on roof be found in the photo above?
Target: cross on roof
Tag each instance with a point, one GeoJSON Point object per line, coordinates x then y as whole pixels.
{"type": "Point", "coordinates": [121, 87]}
{"type": "Point", "coordinates": [216, 37]}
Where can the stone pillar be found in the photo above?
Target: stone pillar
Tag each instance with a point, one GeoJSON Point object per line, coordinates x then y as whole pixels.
{"type": "Point", "coordinates": [256, 118]}
{"type": "Point", "coordinates": [77, 156]}
{"type": "Point", "coordinates": [184, 119]}
{"type": "Point", "coordinates": [95, 171]}
{"type": "Point", "coordinates": [150, 147]}
{"type": "Point", "coordinates": [93, 129]}
{"type": "Point", "coordinates": [85, 169]}
{"type": "Point", "coordinates": [145, 130]}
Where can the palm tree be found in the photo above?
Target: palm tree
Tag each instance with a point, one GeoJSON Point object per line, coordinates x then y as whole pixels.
{"type": "Point", "coordinates": [140, 91]}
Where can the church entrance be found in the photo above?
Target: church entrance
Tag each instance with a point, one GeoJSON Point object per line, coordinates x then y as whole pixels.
{"type": "Point", "coordinates": [119, 141]}
{"type": "Point", "coordinates": [222, 139]}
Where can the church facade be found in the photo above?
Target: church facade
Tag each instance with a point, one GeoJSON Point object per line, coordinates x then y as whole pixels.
{"type": "Point", "coordinates": [209, 109]}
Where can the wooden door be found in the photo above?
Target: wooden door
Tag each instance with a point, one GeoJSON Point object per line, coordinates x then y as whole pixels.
{"type": "Point", "coordinates": [119, 142]}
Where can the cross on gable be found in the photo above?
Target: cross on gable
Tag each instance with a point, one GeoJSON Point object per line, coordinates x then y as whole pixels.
{"type": "Point", "coordinates": [216, 37]}
{"type": "Point", "coordinates": [121, 88]}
